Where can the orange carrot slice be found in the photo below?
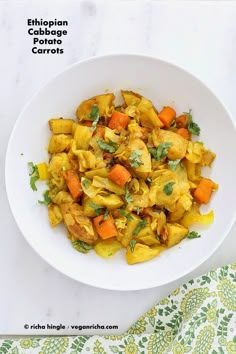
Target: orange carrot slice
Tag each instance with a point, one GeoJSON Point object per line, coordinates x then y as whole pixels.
{"type": "Point", "coordinates": [204, 190]}
{"type": "Point", "coordinates": [167, 115]}
{"type": "Point", "coordinates": [119, 174]}
{"type": "Point", "coordinates": [119, 121]}
{"type": "Point", "coordinates": [73, 183]}
{"type": "Point", "coordinates": [105, 228]}
{"type": "Point", "coordinates": [184, 133]}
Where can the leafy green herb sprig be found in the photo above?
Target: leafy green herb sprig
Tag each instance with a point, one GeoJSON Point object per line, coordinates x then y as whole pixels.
{"type": "Point", "coordinates": [94, 115]}
{"type": "Point", "coordinates": [168, 188]}
{"type": "Point", "coordinates": [135, 158]}
{"type": "Point", "coordinates": [161, 151]}
{"type": "Point", "coordinates": [193, 234]}
{"type": "Point", "coordinates": [132, 245]}
{"type": "Point", "coordinates": [173, 164]}
{"type": "Point", "coordinates": [34, 175]}
{"type": "Point", "coordinates": [126, 215]}
{"type": "Point", "coordinates": [46, 199]}
{"type": "Point", "coordinates": [193, 127]}
{"type": "Point", "coordinates": [97, 208]}
{"type": "Point", "coordinates": [105, 146]}
{"type": "Point", "coordinates": [81, 246]}
{"type": "Point", "coordinates": [141, 225]}
{"type": "Point", "coordinates": [128, 196]}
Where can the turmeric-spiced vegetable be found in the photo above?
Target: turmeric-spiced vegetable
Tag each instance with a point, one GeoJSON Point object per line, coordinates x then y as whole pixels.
{"type": "Point", "coordinates": [167, 115]}
{"type": "Point", "coordinates": [73, 184]}
{"type": "Point", "coordinates": [181, 121]}
{"type": "Point", "coordinates": [119, 174]}
{"type": "Point", "coordinates": [203, 191]}
{"type": "Point", "coordinates": [119, 121]}
{"type": "Point", "coordinates": [105, 226]}
{"type": "Point", "coordinates": [184, 133]}
{"type": "Point", "coordinates": [125, 177]}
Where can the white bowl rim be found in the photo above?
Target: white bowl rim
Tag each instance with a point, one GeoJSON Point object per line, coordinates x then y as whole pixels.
{"type": "Point", "coordinates": [41, 88]}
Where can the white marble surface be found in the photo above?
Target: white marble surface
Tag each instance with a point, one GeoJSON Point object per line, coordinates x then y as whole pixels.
{"type": "Point", "coordinates": [200, 36]}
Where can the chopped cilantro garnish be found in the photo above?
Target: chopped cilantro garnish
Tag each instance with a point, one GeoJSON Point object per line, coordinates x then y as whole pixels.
{"type": "Point", "coordinates": [128, 196]}
{"type": "Point", "coordinates": [85, 182]}
{"type": "Point", "coordinates": [173, 164]}
{"type": "Point", "coordinates": [47, 199]}
{"type": "Point", "coordinates": [128, 216]}
{"type": "Point", "coordinates": [105, 146]}
{"type": "Point", "coordinates": [34, 175]}
{"type": "Point", "coordinates": [193, 234]}
{"type": "Point", "coordinates": [94, 112]}
{"type": "Point", "coordinates": [135, 158]}
{"type": "Point", "coordinates": [192, 127]}
{"type": "Point", "coordinates": [138, 210]}
{"type": "Point", "coordinates": [168, 188]}
{"type": "Point", "coordinates": [97, 208]}
{"type": "Point", "coordinates": [132, 245]}
{"type": "Point", "coordinates": [94, 115]}
{"type": "Point", "coordinates": [141, 225]}
{"type": "Point", "coordinates": [105, 216]}
{"type": "Point", "coordinates": [81, 246]}
{"type": "Point", "coordinates": [161, 151]}
{"type": "Point", "coordinates": [113, 143]}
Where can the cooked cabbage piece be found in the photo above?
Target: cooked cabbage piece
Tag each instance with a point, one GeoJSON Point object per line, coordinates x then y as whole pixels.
{"type": "Point", "coordinates": [59, 143]}
{"type": "Point", "coordinates": [104, 103]}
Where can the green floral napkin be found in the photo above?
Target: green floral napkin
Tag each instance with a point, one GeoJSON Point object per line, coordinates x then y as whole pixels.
{"type": "Point", "coordinates": [198, 318]}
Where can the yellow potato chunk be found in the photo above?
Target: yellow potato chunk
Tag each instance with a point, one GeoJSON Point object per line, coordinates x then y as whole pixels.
{"type": "Point", "coordinates": [175, 234]}
{"type": "Point", "coordinates": [127, 233]}
{"type": "Point", "coordinates": [142, 253]}
{"type": "Point", "coordinates": [87, 209]}
{"type": "Point", "coordinates": [107, 248]}
{"type": "Point", "coordinates": [54, 215]}
{"type": "Point", "coordinates": [179, 144]}
{"type": "Point", "coordinates": [43, 171]}
{"type": "Point", "coordinates": [82, 136]}
{"type": "Point", "coordinates": [61, 126]}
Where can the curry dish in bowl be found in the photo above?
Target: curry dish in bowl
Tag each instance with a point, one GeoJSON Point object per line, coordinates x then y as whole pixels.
{"type": "Point", "coordinates": [126, 176]}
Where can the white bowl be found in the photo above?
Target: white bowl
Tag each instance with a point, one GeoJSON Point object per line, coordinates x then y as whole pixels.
{"type": "Point", "coordinates": [164, 84]}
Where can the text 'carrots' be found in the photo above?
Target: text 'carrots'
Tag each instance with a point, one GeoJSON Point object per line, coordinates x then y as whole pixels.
{"type": "Point", "coordinates": [184, 133]}
{"type": "Point", "coordinates": [167, 115]}
{"type": "Point", "coordinates": [119, 174]}
{"type": "Point", "coordinates": [73, 183]}
{"type": "Point", "coordinates": [105, 228]}
{"type": "Point", "coordinates": [203, 191]}
{"type": "Point", "coordinates": [119, 121]}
